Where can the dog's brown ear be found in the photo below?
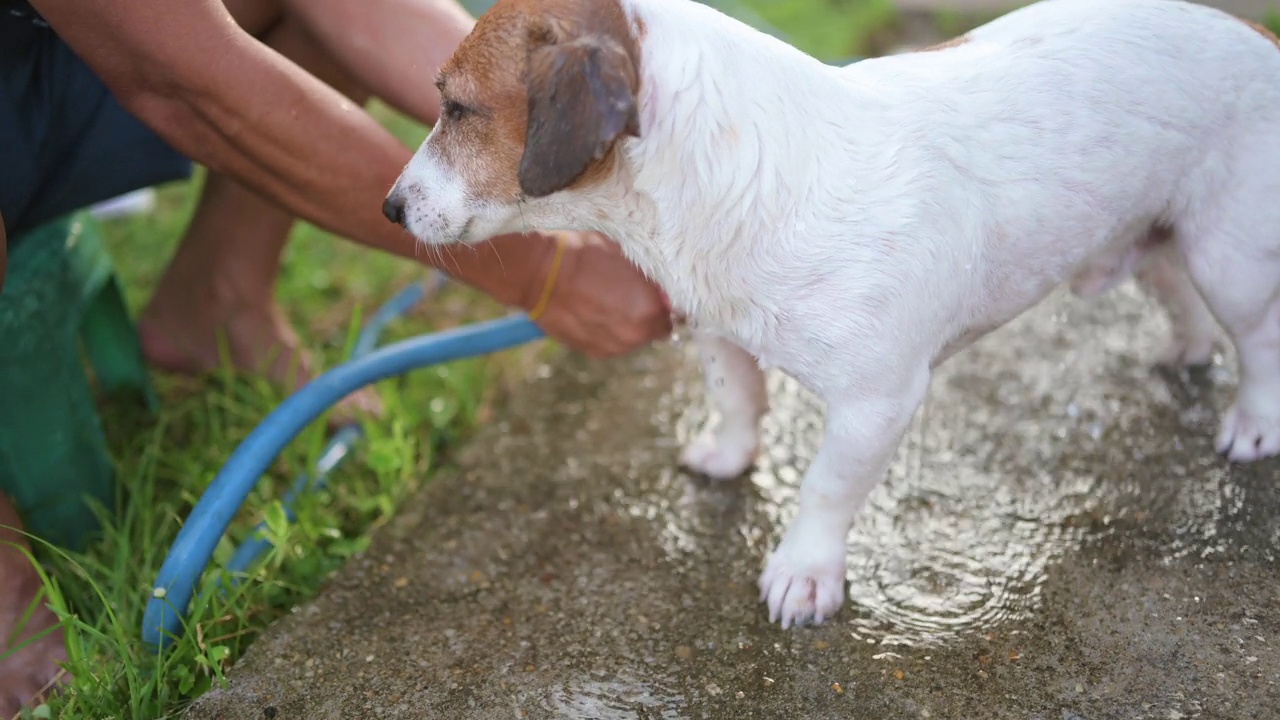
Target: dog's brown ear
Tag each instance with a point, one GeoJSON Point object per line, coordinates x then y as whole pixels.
{"type": "Point", "coordinates": [581, 99]}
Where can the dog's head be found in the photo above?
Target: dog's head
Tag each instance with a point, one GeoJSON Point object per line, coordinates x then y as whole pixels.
{"type": "Point", "coordinates": [534, 102]}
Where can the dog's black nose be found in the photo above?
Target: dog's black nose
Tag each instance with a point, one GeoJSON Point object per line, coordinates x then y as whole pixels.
{"type": "Point", "coordinates": [393, 208]}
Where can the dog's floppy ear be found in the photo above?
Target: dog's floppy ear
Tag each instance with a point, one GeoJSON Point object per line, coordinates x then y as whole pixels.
{"type": "Point", "coordinates": [581, 99]}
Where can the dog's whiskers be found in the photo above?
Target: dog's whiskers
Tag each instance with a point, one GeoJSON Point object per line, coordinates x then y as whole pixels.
{"type": "Point", "coordinates": [524, 225]}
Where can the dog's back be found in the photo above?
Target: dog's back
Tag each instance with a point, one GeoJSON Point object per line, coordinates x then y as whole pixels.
{"type": "Point", "coordinates": [1071, 130]}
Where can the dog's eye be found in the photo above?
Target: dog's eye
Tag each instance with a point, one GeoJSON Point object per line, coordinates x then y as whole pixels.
{"type": "Point", "coordinates": [454, 110]}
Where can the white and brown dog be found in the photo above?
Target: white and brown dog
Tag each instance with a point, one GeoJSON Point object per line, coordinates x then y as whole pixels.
{"type": "Point", "coordinates": [856, 226]}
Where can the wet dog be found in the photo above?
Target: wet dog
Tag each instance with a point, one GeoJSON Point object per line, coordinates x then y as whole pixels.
{"type": "Point", "coordinates": [856, 226]}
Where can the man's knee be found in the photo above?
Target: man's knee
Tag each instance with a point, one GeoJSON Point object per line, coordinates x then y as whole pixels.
{"type": "Point", "coordinates": [292, 39]}
{"type": "Point", "coordinates": [278, 26]}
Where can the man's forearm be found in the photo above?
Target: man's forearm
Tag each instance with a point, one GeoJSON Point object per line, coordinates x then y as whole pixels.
{"type": "Point", "coordinates": [229, 102]}
{"type": "Point", "coordinates": [297, 181]}
{"type": "Point", "coordinates": [500, 269]}
{"type": "Point", "coordinates": [286, 134]}
{"type": "Point", "coordinates": [394, 48]}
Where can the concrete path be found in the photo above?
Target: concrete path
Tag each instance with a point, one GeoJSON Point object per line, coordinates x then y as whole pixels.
{"type": "Point", "coordinates": [1056, 541]}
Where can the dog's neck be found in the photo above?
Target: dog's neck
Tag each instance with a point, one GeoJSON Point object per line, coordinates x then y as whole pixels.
{"type": "Point", "coordinates": [729, 170]}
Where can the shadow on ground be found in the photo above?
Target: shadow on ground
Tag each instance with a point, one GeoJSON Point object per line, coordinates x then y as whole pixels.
{"type": "Point", "coordinates": [1056, 541]}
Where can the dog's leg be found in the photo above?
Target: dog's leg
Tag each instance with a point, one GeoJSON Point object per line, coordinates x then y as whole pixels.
{"type": "Point", "coordinates": [804, 577]}
{"type": "Point", "coordinates": [727, 446]}
{"type": "Point", "coordinates": [1239, 282]}
{"type": "Point", "coordinates": [1102, 273]}
{"type": "Point", "coordinates": [1194, 333]}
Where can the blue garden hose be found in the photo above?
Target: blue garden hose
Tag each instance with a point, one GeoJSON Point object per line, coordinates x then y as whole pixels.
{"type": "Point", "coordinates": [191, 551]}
{"type": "Point", "coordinates": [344, 440]}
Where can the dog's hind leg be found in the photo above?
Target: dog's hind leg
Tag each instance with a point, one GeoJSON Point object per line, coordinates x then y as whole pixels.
{"type": "Point", "coordinates": [1158, 269]}
{"type": "Point", "coordinates": [1250, 312]}
{"type": "Point", "coordinates": [1103, 272]}
{"type": "Point", "coordinates": [1233, 257]}
{"type": "Point", "coordinates": [727, 446]}
{"type": "Point", "coordinates": [1194, 333]}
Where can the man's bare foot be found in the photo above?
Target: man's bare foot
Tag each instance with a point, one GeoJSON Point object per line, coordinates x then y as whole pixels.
{"type": "Point", "coordinates": [30, 673]}
{"type": "Point", "coordinates": [185, 338]}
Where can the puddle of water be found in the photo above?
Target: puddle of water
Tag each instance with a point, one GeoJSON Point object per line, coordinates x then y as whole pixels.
{"type": "Point", "coordinates": [1020, 456]}
{"type": "Point", "coordinates": [946, 544]}
{"type": "Point", "coordinates": [614, 698]}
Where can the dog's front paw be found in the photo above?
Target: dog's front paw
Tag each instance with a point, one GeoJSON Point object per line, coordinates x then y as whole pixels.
{"type": "Point", "coordinates": [1246, 436]}
{"type": "Point", "coordinates": [722, 453]}
{"type": "Point", "coordinates": [803, 581]}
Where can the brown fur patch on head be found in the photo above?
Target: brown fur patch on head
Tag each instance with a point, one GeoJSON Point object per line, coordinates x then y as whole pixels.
{"type": "Point", "coordinates": [1264, 31]}
{"type": "Point", "coordinates": [953, 42]}
{"type": "Point", "coordinates": [535, 97]}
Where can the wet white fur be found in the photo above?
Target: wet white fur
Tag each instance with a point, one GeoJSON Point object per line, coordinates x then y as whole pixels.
{"type": "Point", "coordinates": [855, 226]}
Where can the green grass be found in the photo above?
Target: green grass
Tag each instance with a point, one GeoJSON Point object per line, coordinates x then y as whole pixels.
{"type": "Point", "coordinates": [830, 30]}
{"type": "Point", "coordinates": [165, 461]}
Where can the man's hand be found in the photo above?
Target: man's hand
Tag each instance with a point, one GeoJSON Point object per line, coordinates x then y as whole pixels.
{"type": "Point", "coordinates": [601, 305]}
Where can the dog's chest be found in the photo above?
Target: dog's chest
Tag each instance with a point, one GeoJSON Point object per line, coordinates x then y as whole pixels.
{"type": "Point", "coordinates": [770, 339]}
{"type": "Point", "coordinates": [748, 307]}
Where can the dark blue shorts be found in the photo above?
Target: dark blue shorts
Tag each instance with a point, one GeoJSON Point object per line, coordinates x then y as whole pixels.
{"type": "Point", "coordinates": [65, 143]}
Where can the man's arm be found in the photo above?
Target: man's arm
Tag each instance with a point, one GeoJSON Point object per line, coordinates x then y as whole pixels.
{"type": "Point", "coordinates": [393, 47]}
{"type": "Point", "coordinates": [218, 95]}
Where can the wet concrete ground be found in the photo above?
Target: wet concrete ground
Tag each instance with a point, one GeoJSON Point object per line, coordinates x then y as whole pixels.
{"type": "Point", "coordinates": [1056, 541]}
